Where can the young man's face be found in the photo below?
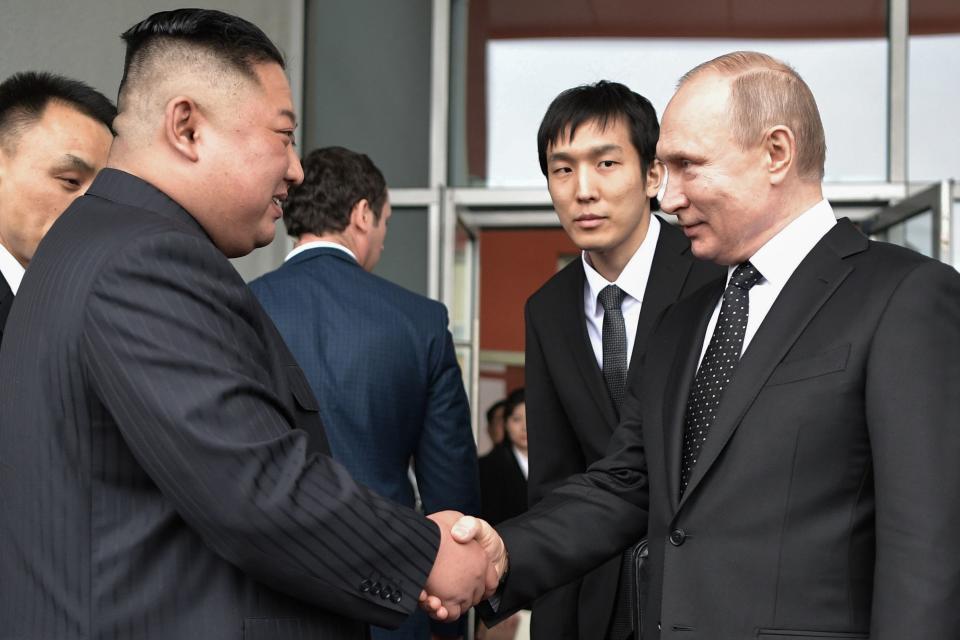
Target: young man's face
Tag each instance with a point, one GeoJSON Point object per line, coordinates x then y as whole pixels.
{"type": "Point", "coordinates": [599, 188]}
{"type": "Point", "coordinates": [48, 165]}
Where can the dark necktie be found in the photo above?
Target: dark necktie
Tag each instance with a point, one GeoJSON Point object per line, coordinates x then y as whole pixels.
{"type": "Point", "coordinates": [614, 334]}
{"type": "Point", "coordinates": [716, 370]}
{"type": "Point", "coordinates": [614, 337]}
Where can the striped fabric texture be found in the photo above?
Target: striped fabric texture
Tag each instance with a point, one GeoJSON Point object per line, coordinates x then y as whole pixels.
{"type": "Point", "coordinates": [163, 469]}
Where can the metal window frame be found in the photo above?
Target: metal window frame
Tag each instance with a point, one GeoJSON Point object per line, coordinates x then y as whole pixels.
{"type": "Point", "coordinates": [937, 198]}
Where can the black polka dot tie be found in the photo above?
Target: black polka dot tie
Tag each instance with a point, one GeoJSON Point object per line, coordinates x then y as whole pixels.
{"type": "Point", "coordinates": [719, 363]}
{"type": "Point", "coordinates": [614, 338]}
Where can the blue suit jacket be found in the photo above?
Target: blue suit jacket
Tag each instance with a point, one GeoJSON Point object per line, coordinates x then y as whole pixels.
{"type": "Point", "coordinates": [381, 361]}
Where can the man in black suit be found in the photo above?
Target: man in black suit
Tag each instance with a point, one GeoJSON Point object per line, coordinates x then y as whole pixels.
{"type": "Point", "coordinates": [164, 474]}
{"type": "Point", "coordinates": [54, 137]}
{"type": "Point", "coordinates": [597, 146]}
{"type": "Point", "coordinates": [378, 357]}
{"type": "Point", "coordinates": [792, 456]}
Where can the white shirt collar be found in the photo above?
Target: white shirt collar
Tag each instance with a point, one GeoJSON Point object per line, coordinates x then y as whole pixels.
{"type": "Point", "coordinates": [316, 244]}
{"type": "Point", "coordinates": [11, 269]}
{"type": "Point", "coordinates": [783, 253]}
{"type": "Point", "coordinates": [776, 261]}
{"type": "Point", "coordinates": [522, 461]}
{"type": "Point", "coordinates": [633, 279]}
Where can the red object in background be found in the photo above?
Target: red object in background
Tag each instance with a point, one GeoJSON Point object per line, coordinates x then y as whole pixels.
{"type": "Point", "coordinates": [514, 264]}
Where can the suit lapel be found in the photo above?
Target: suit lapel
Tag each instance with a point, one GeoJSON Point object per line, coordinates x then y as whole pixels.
{"type": "Point", "coordinates": [680, 378]}
{"type": "Point", "coordinates": [811, 285]}
{"type": "Point", "coordinates": [671, 264]}
{"type": "Point", "coordinates": [6, 301]}
{"type": "Point", "coordinates": [575, 332]}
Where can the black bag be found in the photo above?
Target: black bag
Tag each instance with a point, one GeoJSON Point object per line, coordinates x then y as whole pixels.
{"type": "Point", "coordinates": [627, 621]}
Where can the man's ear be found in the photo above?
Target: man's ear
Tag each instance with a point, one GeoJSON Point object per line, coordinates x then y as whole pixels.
{"type": "Point", "coordinates": [182, 121]}
{"type": "Point", "coordinates": [779, 149]}
{"type": "Point", "coordinates": [361, 216]}
{"type": "Point", "coordinates": [655, 173]}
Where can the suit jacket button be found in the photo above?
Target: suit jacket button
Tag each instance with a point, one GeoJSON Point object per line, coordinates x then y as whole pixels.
{"type": "Point", "coordinates": [396, 597]}
{"type": "Point", "coordinates": [365, 585]}
{"type": "Point", "coordinates": [375, 590]}
{"type": "Point", "coordinates": [677, 536]}
{"type": "Point", "coordinates": [386, 592]}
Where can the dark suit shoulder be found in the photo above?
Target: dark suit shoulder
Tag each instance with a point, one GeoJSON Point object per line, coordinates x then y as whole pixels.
{"type": "Point", "coordinates": [404, 297]}
{"type": "Point", "coordinates": [893, 257]}
{"type": "Point", "coordinates": [558, 290]}
{"type": "Point", "coordinates": [327, 263]}
{"type": "Point", "coordinates": [95, 225]}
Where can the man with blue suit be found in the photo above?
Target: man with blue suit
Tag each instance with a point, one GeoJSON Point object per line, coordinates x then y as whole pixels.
{"type": "Point", "coordinates": [379, 357]}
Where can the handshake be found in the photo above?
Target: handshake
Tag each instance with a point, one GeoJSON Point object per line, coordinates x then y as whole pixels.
{"type": "Point", "coordinates": [469, 565]}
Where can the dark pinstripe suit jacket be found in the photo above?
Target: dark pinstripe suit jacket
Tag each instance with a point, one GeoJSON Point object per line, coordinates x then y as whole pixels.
{"type": "Point", "coordinates": [163, 471]}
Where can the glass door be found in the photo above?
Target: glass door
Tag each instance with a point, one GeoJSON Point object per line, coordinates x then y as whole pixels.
{"type": "Point", "coordinates": [921, 222]}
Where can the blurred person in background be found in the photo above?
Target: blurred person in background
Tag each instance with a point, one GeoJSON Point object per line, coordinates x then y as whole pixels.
{"type": "Point", "coordinates": [495, 421]}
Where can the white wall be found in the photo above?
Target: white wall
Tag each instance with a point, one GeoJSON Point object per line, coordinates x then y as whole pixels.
{"type": "Point", "coordinates": [847, 77]}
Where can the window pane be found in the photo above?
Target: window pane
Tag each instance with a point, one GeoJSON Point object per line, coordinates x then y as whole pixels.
{"type": "Point", "coordinates": [367, 83]}
{"type": "Point", "coordinates": [518, 57]}
{"type": "Point", "coordinates": [914, 233]}
{"type": "Point", "coordinates": [934, 129]}
{"type": "Point", "coordinates": [848, 78]}
{"type": "Point", "coordinates": [404, 258]}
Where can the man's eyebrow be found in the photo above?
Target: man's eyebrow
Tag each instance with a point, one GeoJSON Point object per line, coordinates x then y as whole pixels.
{"type": "Point", "coordinates": [70, 162]}
{"type": "Point", "coordinates": [605, 148]}
{"type": "Point", "coordinates": [289, 114]}
{"type": "Point", "coordinates": [599, 150]}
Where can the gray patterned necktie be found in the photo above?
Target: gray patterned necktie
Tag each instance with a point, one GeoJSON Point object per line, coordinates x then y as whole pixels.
{"type": "Point", "coordinates": [615, 373]}
{"type": "Point", "coordinates": [716, 370]}
{"type": "Point", "coordinates": [614, 338]}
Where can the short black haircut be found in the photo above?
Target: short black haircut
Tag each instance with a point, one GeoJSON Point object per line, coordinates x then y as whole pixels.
{"type": "Point", "coordinates": [499, 404]}
{"type": "Point", "coordinates": [514, 399]}
{"type": "Point", "coordinates": [24, 97]}
{"type": "Point", "coordinates": [235, 41]}
{"type": "Point", "coordinates": [334, 180]}
{"type": "Point", "coordinates": [603, 102]}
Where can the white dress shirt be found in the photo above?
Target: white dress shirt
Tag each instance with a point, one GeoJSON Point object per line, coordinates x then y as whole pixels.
{"type": "Point", "coordinates": [632, 281]}
{"type": "Point", "coordinates": [522, 461]}
{"type": "Point", "coordinates": [316, 244]}
{"type": "Point", "coordinates": [776, 261]}
{"type": "Point", "coordinates": [11, 269]}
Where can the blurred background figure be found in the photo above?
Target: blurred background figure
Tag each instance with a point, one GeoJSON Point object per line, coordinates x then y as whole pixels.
{"type": "Point", "coordinates": [503, 471]}
{"type": "Point", "coordinates": [503, 489]}
{"type": "Point", "coordinates": [379, 358]}
{"type": "Point", "coordinates": [495, 427]}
